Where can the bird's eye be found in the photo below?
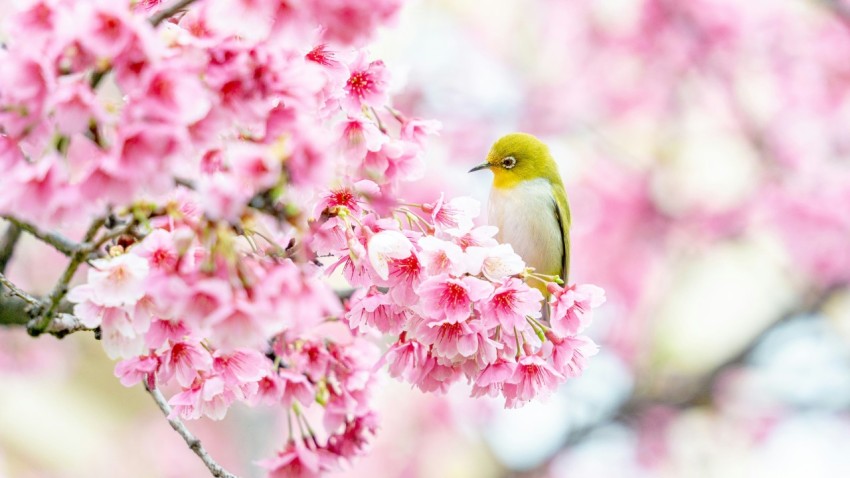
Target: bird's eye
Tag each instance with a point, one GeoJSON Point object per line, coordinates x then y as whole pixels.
{"type": "Point", "coordinates": [508, 162]}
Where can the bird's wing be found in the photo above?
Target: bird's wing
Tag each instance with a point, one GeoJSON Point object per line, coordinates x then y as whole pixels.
{"type": "Point", "coordinates": [562, 214]}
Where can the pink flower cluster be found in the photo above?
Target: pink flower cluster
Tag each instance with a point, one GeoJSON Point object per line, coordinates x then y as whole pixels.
{"type": "Point", "coordinates": [227, 325]}
{"type": "Point", "coordinates": [99, 107]}
{"type": "Point", "coordinates": [462, 305]}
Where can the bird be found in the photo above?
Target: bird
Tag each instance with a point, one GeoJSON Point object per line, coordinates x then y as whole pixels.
{"type": "Point", "coordinates": [528, 203]}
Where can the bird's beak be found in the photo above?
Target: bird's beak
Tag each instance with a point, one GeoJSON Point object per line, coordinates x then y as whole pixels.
{"type": "Point", "coordinates": [481, 166]}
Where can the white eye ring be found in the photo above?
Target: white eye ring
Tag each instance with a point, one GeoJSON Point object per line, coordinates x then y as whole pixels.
{"type": "Point", "coordinates": [508, 162]}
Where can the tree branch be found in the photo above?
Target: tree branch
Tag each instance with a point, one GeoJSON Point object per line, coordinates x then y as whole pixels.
{"type": "Point", "coordinates": [169, 12]}
{"type": "Point", "coordinates": [15, 290]}
{"type": "Point", "coordinates": [17, 307]}
{"type": "Point", "coordinates": [81, 254]}
{"type": "Point", "coordinates": [58, 241]}
{"type": "Point", "coordinates": [7, 244]}
{"type": "Point", "coordinates": [194, 444]}
{"type": "Point", "coordinates": [40, 314]}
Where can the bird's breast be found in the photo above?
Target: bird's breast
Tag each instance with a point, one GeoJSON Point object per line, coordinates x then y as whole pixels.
{"type": "Point", "coordinates": [526, 216]}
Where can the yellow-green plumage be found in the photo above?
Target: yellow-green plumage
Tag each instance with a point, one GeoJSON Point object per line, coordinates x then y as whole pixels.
{"type": "Point", "coordinates": [529, 204]}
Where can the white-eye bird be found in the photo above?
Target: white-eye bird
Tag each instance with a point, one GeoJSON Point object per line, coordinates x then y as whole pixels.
{"type": "Point", "coordinates": [529, 205]}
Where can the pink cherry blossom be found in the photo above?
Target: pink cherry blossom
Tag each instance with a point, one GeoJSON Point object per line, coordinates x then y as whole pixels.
{"type": "Point", "coordinates": [366, 85]}
{"type": "Point", "coordinates": [456, 213]}
{"type": "Point", "coordinates": [436, 377]}
{"type": "Point", "coordinates": [296, 388]}
{"type": "Point", "coordinates": [206, 397]}
{"type": "Point", "coordinates": [111, 29]}
{"type": "Point", "coordinates": [451, 340]}
{"type": "Point", "coordinates": [135, 369]}
{"type": "Point", "coordinates": [572, 308]}
{"type": "Point", "coordinates": [387, 245]}
{"type": "Point", "coordinates": [342, 197]}
{"type": "Point", "coordinates": [295, 461]}
{"type": "Point", "coordinates": [405, 359]}
{"type": "Point", "coordinates": [173, 94]}
{"type": "Point", "coordinates": [405, 274]}
{"type": "Point", "coordinates": [450, 300]}
{"type": "Point", "coordinates": [121, 336]}
{"type": "Point", "coordinates": [159, 249]}
{"type": "Point", "coordinates": [481, 236]}
{"type": "Point", "coordinates": [74, 106]}
{"type": "Point", "coordinates": [118, 281]}
{"type": "Point", "coordinates": [371, 308]}
{"type": "Point", "coordinates": [204, 300]}
{"type": "Point", "coordinates": [162, 330]}
{"type": "Point", "coordinates": [491, 379]}
{"type": "Point", "coordinates": [569, 354]}
{"type": "Point", "coordinates": [360, 136]}
{"type": "Point", "coordinates": [494, 263]}
{"type": "Point", "coordinates": [269, 390]}
{"type": "Point", "coordinates": [511, 303]}
{"type": "Point", "coordinates": [417, 130]}
{"type": "Point", "coordinates": [441, 257]}
{"type": "Point", "coordinates": [223, 198]}
{"type": "Point", "coordinates": [185, 361]}
{"type": "Point", "coordinates": [240, 366]}
{"type": "Point", "coordinates": [24, 93]}
{"type": "Point", "coordinates": [396, 160]}
{"type": "Point", "coordinates": [532, 377]}
{"type": "Point", "coordinates": [348, 23]}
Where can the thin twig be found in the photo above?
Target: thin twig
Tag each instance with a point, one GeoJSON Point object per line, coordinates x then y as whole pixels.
{"type": "Point", "coordinates": [169, 12]}
{"type": "Point", "coordinates": [15, 290]}
{"type": "Point", "coordinates": [119, 231]}
{"type": "Point", "coordinates": [378, 120]}
{"type": "Point", "coordinates": [58, 241]}
{"type": "Point", "coordinates": [7, 244]}
{"type": "Point", "coordinates": [194, 444]}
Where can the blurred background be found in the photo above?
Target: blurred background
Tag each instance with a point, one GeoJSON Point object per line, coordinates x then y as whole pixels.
{"type": "Point", "coordinates": [706, 152]}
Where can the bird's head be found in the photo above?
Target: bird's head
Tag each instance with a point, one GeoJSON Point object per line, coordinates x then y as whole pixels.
{"type": "Point", "coordinates": [518, 157]}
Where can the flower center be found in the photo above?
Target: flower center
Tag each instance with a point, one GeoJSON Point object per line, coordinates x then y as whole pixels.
{"type": "Point", "coordinates": [359, 82]}
{"type": "Point", "coordinates": [455, 294]}
{"type": "Point", "coordinates": [505, 300]}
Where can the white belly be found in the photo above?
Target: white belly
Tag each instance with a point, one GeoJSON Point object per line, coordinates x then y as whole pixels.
{"type": "Point", "coordinates": [526, 218]}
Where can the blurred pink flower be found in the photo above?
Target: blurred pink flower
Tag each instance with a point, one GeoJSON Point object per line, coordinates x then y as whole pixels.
{"type": "Point", "coordinates": [366, 86]}
{"type": "Point", "coordinates": [572, 308]}
{"type": "Point", "coordinates": [118, 280]}
{"type": "Point", "coordinates": [135, 369]}
{"type": "Point", "coordinates": [294, 461]}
